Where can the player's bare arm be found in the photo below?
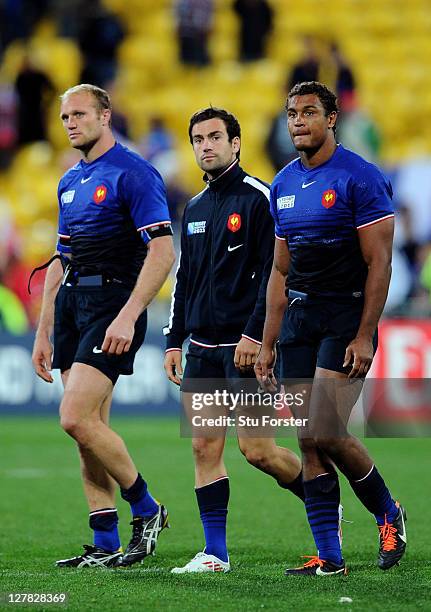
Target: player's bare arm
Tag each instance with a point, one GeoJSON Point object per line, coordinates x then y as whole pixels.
{"type": "Point", "coordinates": [42, 349]}
{"type": "Point", "coordinates": [157, 265]}
{"type": "Point", "coordinates": [376, 247]}
{"type": "Point", "coordinates": [276, 303]}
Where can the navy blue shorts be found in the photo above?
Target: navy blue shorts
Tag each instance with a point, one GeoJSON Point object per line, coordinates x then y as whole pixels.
{"type": "Point", "coordinates": [316, 334]}
{"type": "Point", "coordinates": [82, 316]}
{"type": "Point", "coordinates": [214, 364]}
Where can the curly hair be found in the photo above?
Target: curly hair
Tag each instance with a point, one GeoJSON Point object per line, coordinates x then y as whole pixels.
{"type": "Point", "coordinates": [325, 95]}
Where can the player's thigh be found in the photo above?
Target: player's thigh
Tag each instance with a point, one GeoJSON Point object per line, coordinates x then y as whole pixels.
{"type": "Point", "coordinates": [86, 390]}
{"type": "Point", "coordinates": [332, 399]}
{"type": "Point", "coordinates": [202, 379]}
{"type": "Point", "coordinates": [65, 377]}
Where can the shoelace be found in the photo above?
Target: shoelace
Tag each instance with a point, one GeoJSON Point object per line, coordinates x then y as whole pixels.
{"type": "Point", "coordinates": [388, 536]}
{"type": "Point", "coordinates": [137, 530]}
{"type": "Point", "coordinates": [314, 560]}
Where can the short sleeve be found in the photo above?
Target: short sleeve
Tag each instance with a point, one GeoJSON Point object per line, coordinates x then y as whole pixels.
{"type": "Point", "coordinates": [63, 240]}
{"type": "Point", "coordinates": [274, 213]}
{"type": "Point", "coordinates": [144, 194]}
{"type": "Point", "coordinates": [372, 198]}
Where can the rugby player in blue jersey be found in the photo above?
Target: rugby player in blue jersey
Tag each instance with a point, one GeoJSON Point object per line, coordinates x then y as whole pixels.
{"type": "Point", "coordinates": [114, 252]}
{"type": "Point", "coordinates": [332, 265]}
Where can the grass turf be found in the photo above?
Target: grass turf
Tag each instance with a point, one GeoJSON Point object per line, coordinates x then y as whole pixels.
{"type": "Point", "coordinates": [44, 517]}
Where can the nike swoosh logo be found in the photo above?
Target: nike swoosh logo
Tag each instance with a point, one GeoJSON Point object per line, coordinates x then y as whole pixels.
{"type": "Point", "coordinates": [85, 180]}
{"type": "Point", "coordinates": [229, 248]}
{"type": "Point", "coordinates": [320, 573]}
{"type": "Point", "coordinates": [305, 185]}
{"type": "Point", "coordinates": [96, 350]}
{"type": "Point", "coordinates": [403, 535]}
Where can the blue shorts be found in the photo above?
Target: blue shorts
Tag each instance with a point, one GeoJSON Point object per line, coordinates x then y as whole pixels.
{"type": "Point", "coordinates": [214, 364]}
{"type": "Point", "coordinates": [82, 316]}
{"type": "Point", "coordinates": [316, 334]}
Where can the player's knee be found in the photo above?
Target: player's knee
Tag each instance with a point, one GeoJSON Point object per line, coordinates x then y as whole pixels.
{"type": "Point", "coordinates": [75, 428]}
{"type": "Point", "coordinates": [255, 455]}
{"type": "Point", "coordinates": [330, 445]}
{"type": "Point", "coordinates": [205, 451]}
{"type": "Point", "coordinates": [307, 445]}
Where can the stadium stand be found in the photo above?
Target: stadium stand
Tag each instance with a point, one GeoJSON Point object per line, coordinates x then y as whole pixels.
{"type": "Point", "coordinates": [386, 43]}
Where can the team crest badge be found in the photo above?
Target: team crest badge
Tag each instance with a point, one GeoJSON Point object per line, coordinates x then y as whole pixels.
{"type": "Point", "coordinates": [234, 222]}
{"type": "Point", "coordinates": [328, 198]}
{"type": "Point", "coordinates": [100, 194]}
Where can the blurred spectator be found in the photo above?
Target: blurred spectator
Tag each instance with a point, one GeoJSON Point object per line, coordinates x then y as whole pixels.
{"type": "Point", "coordinates": [13, 318]}
{"type": "Point", "coordinates": [120, 125]}
{"type": "Point", "coordinates": [413, 188]}
{"type": "Point", "coordinates": [67, 16]}
{"type": "Point", "coordinates": [158, 140]}
{"type": "Point", "coordinates": [99, 36]}
{"type": "Point", "coordinates": [425, 274]}
{"type": "Point", "coordinates": [12, 314]}
{"type": "Point", "coordinates": [176, 196]}
{"type": "Point", "coordinates": [307, 69]}
{"type": "Point", "coordinates": [8, 124]}
{"type": "Point", "coordinates": [344, 81]}
{"type": "Point", "coordinates": [194, 21]}
{"type": "Point", "coordinates": [404, 238]}
{"type": "Point", "coordinates": [33, 89]}
{"type": "Point", "coordinates": [278, 144]}
{"type": "Point", "coordinates": [323, 64]}
{"type": "Point", "coordinates": [18, 18]}
{"type": "Point", "coordinates": [356, 130]}
{"type": "Point", "coordinates": [255, 25]}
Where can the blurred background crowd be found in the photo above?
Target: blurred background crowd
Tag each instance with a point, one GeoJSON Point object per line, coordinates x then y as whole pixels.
{"type": "Point", "coordinates": [161, 61]}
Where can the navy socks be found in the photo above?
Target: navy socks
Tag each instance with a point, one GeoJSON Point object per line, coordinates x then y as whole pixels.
{"type": "Point", "coordinates": [374, 494]}
{"type": "Point", "coordinates": [213, 501]}
{"type": "Point", "coordinates": [104, 523]}
{"type": "Point", "coordinates": [296, 486]}
{"type": "Point", "coordinates": [141, 502]}
{"type": "Point", "coordinates": [322, 499]}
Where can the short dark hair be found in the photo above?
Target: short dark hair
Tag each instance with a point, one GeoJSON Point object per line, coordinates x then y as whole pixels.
{"type": "Point", "coordinates": [325, 95]}
{"type": "Point", "coordinates": [231, 122]}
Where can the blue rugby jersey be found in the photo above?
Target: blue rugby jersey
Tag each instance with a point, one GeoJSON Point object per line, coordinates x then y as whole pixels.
{"type": "Point", "coordinates": [318, 212]}
{"type": "Point", "coordinates": [109, 210]}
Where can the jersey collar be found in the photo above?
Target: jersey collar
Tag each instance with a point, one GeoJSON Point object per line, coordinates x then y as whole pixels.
{"type": "Point", "coordinates": [225, 177]}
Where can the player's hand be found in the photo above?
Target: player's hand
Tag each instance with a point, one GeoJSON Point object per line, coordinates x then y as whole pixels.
{"type": "Point", "coordinates": [42, 357]}
{"type": "Point", "coordinates": [246, 354]}
{"type": "Point", "coordinates": [361, 352]}
{"type": "Point", "coordinates": [173, 366]}
{"type": "Point", "coordinates": [264, 368]}
{"type": "Point", "coordinates": [119, 335]}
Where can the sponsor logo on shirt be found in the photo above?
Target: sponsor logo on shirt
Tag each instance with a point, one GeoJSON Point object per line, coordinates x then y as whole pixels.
{"type": "Point", "coordinates": [328, 198]}
{"type": "Point", "coordinates": [100, 194]}
{"type": "Point", "coordinates": [196, 227]}
{"type": "Point", "coordinates": [285, 202]}
{"type": "Point", "coordinates": [67, 197]}
{"type": "Point", "coordinates": [234, 222]}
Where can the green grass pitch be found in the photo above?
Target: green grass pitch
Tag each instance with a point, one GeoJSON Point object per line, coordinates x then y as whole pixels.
{"type": "Point", "coordinates": [44, 518]}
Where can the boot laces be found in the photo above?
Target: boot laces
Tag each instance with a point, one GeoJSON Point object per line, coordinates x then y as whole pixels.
{"type": "Point", "coordinates": [314, 560]}
{"type": "Point", "coordinates": [388, 536]}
